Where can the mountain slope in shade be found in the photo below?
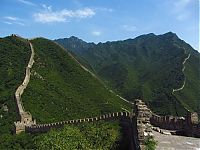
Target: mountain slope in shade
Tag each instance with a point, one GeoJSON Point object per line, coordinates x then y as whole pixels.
{"type": "Point", "coordinates": [148, 67]}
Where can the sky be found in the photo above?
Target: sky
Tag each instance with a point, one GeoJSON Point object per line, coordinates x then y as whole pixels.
{"type": "Point", "coordinates": [100, 20]}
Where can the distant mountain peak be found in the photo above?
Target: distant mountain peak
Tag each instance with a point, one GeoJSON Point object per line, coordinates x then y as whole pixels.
{"type": "Point", "coordinates": [170, 34]}
{"type": "Point", "coordinates": [151, 34]}
{"type": "Point", "coordinates": [74, 38]}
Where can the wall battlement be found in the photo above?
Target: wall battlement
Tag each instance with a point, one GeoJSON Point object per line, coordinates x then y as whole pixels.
{"type": "Point", "coordinates": [188, 125]}
{"type": "Point", "coordinates": [168, 122]}
{"type": "Point", "coordinates": [139, 122]}
{"type": "Point", "coordinates": [46, 127]}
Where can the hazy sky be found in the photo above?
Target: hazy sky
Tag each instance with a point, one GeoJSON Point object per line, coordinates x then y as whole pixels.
{"type": "Point", "coordinates": [100, 20]}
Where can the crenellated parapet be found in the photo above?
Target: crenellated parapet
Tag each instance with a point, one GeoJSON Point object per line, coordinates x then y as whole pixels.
{"type": "Point", "coordinates": [168, 122]}
{"type": "Point", "coordinates": [46, 127]}
{"type": "Point", "coordinates": [25, 121]}
{"type": "Point", "coordinates": [188, 125]}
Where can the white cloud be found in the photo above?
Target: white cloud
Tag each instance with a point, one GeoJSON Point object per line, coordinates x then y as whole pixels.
{"type": "Point", "coordinates": [13, 20]}
{"type": "Point", "coordinates": [20, 23]}
{"type": "Point", "coordinates": [6, 22]}
{"type": "Point", "coordinates": [105, 9]}
{"type": "Point", "coordinates": [130, 28]}
{"type": "Point", "coordinates": [46, 8]}
{"type": "Point", "coordinates": [48, 16]}
{"type": "Point", "coordinates": [96, 33]}
{"type": "Point", "coordinates": [27, 2]}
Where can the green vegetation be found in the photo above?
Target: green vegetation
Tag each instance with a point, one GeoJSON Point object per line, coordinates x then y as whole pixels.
{"type": "Point", "coordinates": [17, 142]}
{"type": "Point", "coordinates": [13, 60]}
{"type": "Point", "coordinates": [190, 95]}
{"type": "Point", "coordinates": [59, 90]}
{"type": "Point", "coordinates": [148, 67]}
{"type": "Point", "coordinates": [150, 143]}
{"type": "Point", "coordinates": [99, 135]}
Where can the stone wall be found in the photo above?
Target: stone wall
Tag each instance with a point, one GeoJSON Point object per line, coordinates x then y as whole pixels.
{"type": "Point", "coordinates": [141, 122]}
{"type": "Point", "coordinates": [25, 117]}
{"type": "Point", "coordinates": [46, 127]}
{"type": "Point", "coordinates": [187, 126]}
{"type": "Point", "coordinates": [129, 136]}
{"type": "Point", "coordinates": [168, 122]}
{"type": "Point", "coordinates": [135, 125]}
{"type": "Point", "coordinates": [192, 127]}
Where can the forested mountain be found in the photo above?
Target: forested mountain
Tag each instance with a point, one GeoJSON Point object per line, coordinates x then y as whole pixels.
{"type": "Point", "coordinates": [149, 67]}
{"type": "Point", "coordinates": [59, 89]}
{"type": "Point", "coordinates": [66, 89]}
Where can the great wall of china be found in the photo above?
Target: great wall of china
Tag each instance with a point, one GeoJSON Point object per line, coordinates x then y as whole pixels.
{"type": "Point", "coordinates": [46, 127]}
{"type": "Point", "coordinates": [25, 117]}
{"type": "Point", "coordinates": [183, 69]}
{"type": "Point", "coordinates": [137, 124]}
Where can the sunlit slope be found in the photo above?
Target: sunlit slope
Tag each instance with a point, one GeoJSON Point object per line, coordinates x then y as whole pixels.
{"type": "Point", "coordinates": [60, 89]}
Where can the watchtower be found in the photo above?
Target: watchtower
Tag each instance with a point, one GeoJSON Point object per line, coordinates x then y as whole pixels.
{"type": "Point", "coordinates": [26, 120]}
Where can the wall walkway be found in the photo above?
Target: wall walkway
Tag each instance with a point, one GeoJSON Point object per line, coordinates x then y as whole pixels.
{"type": "Point", "coordinates": [25, 117]}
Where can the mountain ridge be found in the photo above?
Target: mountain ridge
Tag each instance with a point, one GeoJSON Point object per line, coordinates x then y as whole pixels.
{"type": "Point", "coordinates": [75, 38]}
{"type": "Point", "coordinates": [131, 58]}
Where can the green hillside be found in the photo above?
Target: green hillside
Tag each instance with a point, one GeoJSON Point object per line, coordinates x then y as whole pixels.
{"type": "Point", "coordinates": [190, 95]}
{"type": "Point", "coordinates": [148, 67]}
{"type": "Point", "coordinates": [14, 56]}
{"type": "Point", "coordinates": [59, 89]}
